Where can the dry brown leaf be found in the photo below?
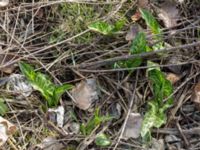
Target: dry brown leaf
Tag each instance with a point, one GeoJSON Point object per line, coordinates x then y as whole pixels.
{"type": "Point", "coordinates": [134, 29]}
{"type": "Point", "coordinates": [173, 78]}
{"type": "Point", "coordinates": [85, 93]}
{"type": "Point", "coordinates": [175, 68]}
{"type": "Point", "coordinates": [168, 13]}
{"type": "Point", "coordinates": [133, 126]}
{"type": "Point", "coordinates": [6, 59]}
{"type": "Point", "coordinates": [6, 129]}
{"type": "Point", "coordinates": [196, 95]}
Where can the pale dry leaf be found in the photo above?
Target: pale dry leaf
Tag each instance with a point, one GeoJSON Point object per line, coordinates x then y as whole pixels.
{"type": "Point", "coordinates": [168, 13]}
{"type": "Point", "coordinates": [4, 3]}
{"type": "Point", "coordinates": [85, 93]}
{"type": "Point", "coordinates": [50, 143]}
{"type": "Point", "coordinates": [19, 85]}
{"type": "Point", "coordinates": [6, 129]}
{"type": "Point", "coordinates": [57, 115]}
{"type": "Point", "coordinates": [173, 78]}
{"type": "Point", "coordinates": [133, 126]}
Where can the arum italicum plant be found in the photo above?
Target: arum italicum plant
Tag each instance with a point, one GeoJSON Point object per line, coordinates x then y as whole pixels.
{"type": "Point", "coordinates": [162, 89]}
{"type": "Point", "coordinates": [42, 83]}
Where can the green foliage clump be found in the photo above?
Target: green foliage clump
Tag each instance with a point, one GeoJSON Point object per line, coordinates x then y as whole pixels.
{"type": "Point", "coordinates": [43, 84]}
{"type": "Point", "coordinates": [106, 28]}
{"type": "Point", "coordinates": [74, 18]}
{"type": "Point", "coordinates": [97, 119]}
{"type": "Point", "coordinates": [155, 116]}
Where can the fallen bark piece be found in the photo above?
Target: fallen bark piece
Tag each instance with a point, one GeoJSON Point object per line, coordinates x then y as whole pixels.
{"type": "Point", "coordinates": [133, 126]}
{"type": "Point", "coordinates": [6, 129]}
{"type": "Point", "coordinates": [85, 93]}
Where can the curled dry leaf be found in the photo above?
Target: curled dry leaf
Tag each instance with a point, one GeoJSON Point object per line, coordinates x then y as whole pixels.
{"type": "Point", "coordinates": [6, 129]}
{"type": "Point", "coordinates": [173, 78]}
{"type": "Point", "coordinates": [133, 126]}
{"type": "Point", "coordinates": [85, 93]}
{"type": "Point", "coordinates": [4, 3]}
{"type": "Point", "coordinates": [168, 13]}
{"type": "Point", "coordinates": [196, 95]}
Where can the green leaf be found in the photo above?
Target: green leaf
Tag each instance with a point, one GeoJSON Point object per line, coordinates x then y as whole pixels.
{"type": "Point", "coordinates": [43, 84]}
{"type": "Point", "coordinates": [27, 70]}
{"type": "Point", "coordinates": [139, 45]}
{"type": "Point", "coordinates": [59, 90]}
{"type": "Point", "coordinates": [101, 27]}
{"type": "Point", "coordinates": [105, 28]}
{"type": "Point", "coordinates": [96, 120]}
{"type": "Point", "coordinates": [102, 140]}
{"type": "Point", "coordinates": [118, 25]}
{"type": "Point", "coordinates": [155, 116]}
{"type": "Point", "coordinates": [154, 26]}
{"type": "Point", "coordinates": [150, 21]}
{"type": "Point", "coordinates": [3, 107]}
